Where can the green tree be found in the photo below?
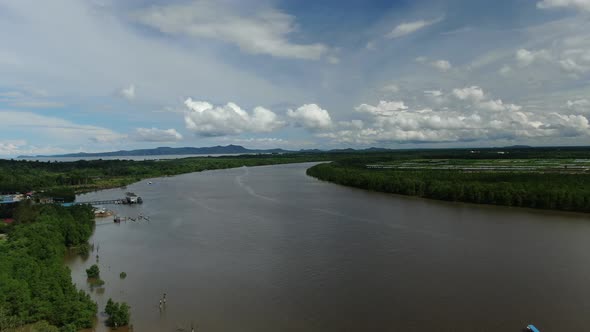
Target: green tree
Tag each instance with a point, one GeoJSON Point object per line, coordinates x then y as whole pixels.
{"type": "Point", "coordinates": [118, 313]}
{"type": "Point", "coordinates": [93, 272]}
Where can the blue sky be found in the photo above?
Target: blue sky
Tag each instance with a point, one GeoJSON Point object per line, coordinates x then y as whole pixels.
{"type": "Point", "coordinates": [106, 75]}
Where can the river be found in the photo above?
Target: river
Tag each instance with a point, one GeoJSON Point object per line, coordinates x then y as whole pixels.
{"type": "Point", "coordinates": [271, 249]}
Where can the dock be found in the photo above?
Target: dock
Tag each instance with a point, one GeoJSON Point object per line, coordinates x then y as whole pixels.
{"type": "Point", "coordinates": [130, 198]}
{"type": "Point", "coordinates": [103, 202]}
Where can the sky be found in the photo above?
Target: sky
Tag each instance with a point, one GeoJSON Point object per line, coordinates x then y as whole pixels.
{"type": "Point", "coordinates": [104, 75]}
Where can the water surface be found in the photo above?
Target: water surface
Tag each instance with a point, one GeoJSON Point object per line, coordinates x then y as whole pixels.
{"type": "Point", "coordinates": [270, 249]}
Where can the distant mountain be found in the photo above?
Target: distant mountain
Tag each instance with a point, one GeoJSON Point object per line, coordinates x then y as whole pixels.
{"type": "Point", "coordinates": [163, 151]}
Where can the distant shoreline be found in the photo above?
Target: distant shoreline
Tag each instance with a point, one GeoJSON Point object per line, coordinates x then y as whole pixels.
{"type": "Point", "coordinates": [542, 190]}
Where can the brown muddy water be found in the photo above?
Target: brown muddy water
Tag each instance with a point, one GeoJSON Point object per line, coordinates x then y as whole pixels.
{"type": "Point", "coordinates": [270, 249]}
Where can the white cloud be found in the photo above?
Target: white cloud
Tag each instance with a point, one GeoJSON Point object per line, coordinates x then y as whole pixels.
{"type": "Point", "coordinates": [128, 92]}
{"type": "Point", "coordinates": [442, 65]}
{"type": "Point", "coordinates": [11, 147]}
{"type": "Point", "coordinates": [410, 27]}
{"type": "Point", "coordinates": [578, 103]}
{"type": "Point", "coordinates": [583, 5]}
{"type": "Point", "coordinates": [119, 54]}
{"type": "Point", "coordinates": [433, 93]}
{"type": "Point", "coordinates": [436, 96]}
{"type": "Point", "coordinates": [497, 105]}
{"type": "Point", "coordinates": [471, 116]}
{"type": "Point", "coordinates": [473, 93]}
{"type": "Point", "coordinates": [384, 108]}
{"type": "Point", "coordinates": [312, 117]}
{"type": "Point", "coordinates": [475, 97]}
{"type": "Point", "coordinates": [526, 57]}
{"type": "Point", "coordinates": [573, 67]}
{"type": "Point", "coordinates": [579, 106]}
{"type": "Point", "coordinates": [207, 120]}
{"type": "Point", "coordinates": [263, 31]}
{"type": "Point", "coordinates": [157, 135]}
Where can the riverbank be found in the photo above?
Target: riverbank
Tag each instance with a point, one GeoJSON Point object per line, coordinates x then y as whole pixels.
{"type": "Point", "coordinates": [564, 191]}
{"type": "Point", "coordinates": [35, 285]}
{"type": "Point", "coordinates": [86, 176]}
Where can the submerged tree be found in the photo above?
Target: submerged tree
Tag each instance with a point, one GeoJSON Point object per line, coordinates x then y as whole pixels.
{"type": "Point", "coordinates": [118, 313]}
{"type": "Point", "coordinates": [93, 272]}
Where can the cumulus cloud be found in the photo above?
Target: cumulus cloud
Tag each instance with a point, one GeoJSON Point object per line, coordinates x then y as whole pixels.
{"type": "Point", "coordinates": [570, 54]}
{"type": "Point", "coordinates": [128, 92]}
{"type": "Point", "coordinates": [263, 31]}
{"type": "Point", "coordinates": [497, 105]}
{"type": "Point", "coordinates": [470, 116]}
{"type": "Point", "coordinates": [473, 93]}
{"type": "Point", "coordinates": [410, 27]}
{"type": "Point", "coordinates": [206, 119]}
{"type": "Point", "coordinates": [442, 65]}
{"type": "Point", "coordinates": [157, 135]}
{"type": "Point", "coordinates": [312, 117]}
{"type": "Point", "coordinates": [583, 5]}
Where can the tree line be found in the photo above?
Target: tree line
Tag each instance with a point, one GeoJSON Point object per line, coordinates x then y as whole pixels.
{"type": "Point", "coordinates": [35, 285]}
{"type": "Point", "coordinates": [59, 178]}
{"type": "Point", "coordinates": [87, 175]}
{"type": "Point", "coordinates": [568, 192]}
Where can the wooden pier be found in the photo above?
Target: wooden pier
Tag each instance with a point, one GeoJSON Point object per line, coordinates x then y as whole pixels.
{"type": "Point", "coordinates": [103, 202]}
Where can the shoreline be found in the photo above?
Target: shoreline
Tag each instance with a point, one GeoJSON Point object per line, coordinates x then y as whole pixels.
{"type": "Point", "coordinates": [313, 172]}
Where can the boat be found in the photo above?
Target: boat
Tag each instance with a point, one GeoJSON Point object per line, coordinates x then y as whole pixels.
{"type": "Point", "coordinates": [117, 219]}
{"type": "Point", "coordinates": [150, 182]}
{"type": "Point", "coordinates": [532, 328]}
{"type": "Point", "coordinates": [101, 212]}
{"type": "Point", "coordinates": [132, 198]}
